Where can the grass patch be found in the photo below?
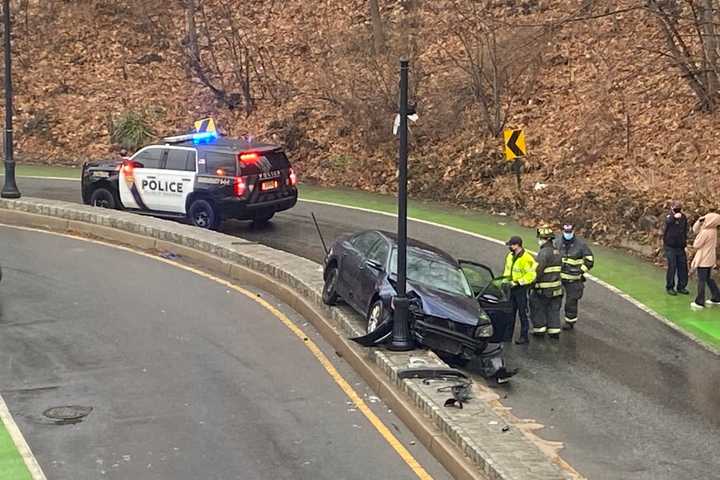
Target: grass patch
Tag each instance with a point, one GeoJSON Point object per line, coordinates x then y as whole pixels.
{"type": "Point", "coordinates": [12, 466]}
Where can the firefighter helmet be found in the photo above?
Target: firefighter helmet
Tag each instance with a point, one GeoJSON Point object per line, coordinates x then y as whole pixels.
{"type": "Point", "coordinates": [545, 232]}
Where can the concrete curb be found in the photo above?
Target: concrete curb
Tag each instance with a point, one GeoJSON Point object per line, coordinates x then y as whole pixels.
{"type": "Point", "coordinates": [475, 442]}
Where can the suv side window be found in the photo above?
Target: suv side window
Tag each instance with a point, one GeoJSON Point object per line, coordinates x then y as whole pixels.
{"type": "Point", "coordinates": [224, 164]}
{"type": "Point", "coordinates": [364, 242]}
{"type": "Point", "coordinates": [150, 157]}
{"type": "Point", "coordinates": [379, 252]}
{"type": "Point", "coordinates": [180, 160]}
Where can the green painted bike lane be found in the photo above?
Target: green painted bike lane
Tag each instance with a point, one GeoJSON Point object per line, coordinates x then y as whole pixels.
{"type": "Point", "coordinates": [12, 465]}
{"type": "Point", "coordinates": [638, 278]}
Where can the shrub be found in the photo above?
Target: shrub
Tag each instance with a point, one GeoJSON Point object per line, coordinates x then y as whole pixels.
{"type": "Point", "coordinates": [131, 130]}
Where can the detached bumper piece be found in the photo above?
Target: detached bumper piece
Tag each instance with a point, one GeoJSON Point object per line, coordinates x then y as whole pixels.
{"type": "Point", "coordinates": [447, 336]}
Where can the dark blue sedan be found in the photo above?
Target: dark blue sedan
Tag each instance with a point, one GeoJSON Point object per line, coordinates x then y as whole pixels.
{"type": "Point", "coordinates": [457, 308]}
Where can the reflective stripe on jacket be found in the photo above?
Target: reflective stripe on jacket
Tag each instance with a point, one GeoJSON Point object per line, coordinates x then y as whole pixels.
{"type": "Point", "coordinates": [549, 267]}
{"type": "Point", "coordinates": [577, 258]}
{"type": "Point", "coordinates": [520, 269]}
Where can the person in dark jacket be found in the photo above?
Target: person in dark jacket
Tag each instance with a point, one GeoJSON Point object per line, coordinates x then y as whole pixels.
{"type": "Point", "coordinates": [546, 295]}
{"type": "Point", "coordinates": [675, 234]}
{"type": "Point", "coordinates": [577, 260]}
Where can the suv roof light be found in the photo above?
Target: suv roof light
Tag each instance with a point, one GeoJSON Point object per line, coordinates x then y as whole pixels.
{"type": "Point", "coordinates": [196, 138]}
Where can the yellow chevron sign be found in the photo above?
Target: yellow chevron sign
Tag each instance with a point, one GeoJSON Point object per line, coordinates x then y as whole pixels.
{"type": "Point", "coordinates": [205, 125]}
{"type": "Point", "coordinates": [514, 143]}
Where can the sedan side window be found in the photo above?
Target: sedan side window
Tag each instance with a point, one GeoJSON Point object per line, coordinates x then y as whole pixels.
{"type": "Point", "coordinates": [364, 242]}
{"type": "Point", "coordinates": [379, 252]}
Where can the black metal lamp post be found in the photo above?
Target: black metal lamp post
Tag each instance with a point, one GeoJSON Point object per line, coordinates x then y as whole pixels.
{"type": "Point", "coordinates": [10, 189]}
{"type": "Point", "coordinates": [401, 339]}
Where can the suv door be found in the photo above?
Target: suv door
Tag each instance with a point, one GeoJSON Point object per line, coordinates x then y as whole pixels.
{"type": "Point", "coordinates": [138, 179]}
{"type": "Point", "coordinates": [177, 179]}
{"type": "Point", "coordinates": [493, 295]}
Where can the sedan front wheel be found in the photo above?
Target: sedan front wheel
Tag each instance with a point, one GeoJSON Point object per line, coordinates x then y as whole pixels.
{"type": "Point", "coordinates": [377, 316]}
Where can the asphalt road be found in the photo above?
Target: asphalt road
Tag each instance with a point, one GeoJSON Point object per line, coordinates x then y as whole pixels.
{"type": "Point", "coordinates": [186, 379]}
{"type": "Point", "coordinates": [629, 397]}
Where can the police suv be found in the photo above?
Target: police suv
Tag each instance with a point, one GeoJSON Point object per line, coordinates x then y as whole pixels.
{"type": "Point", "coordinates": [201, 177]}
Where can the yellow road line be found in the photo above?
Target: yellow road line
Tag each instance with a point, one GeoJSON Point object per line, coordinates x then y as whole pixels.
{"type": "Point", "coordinates": [374, 420]}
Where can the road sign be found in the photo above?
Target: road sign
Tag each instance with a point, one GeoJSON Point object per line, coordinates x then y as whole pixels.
{"type": "Point", "coordinates": [514, 143]}
{"type": "Point", "coordinates": [396, 123]}
{"type": "Point", "coordinates": [205, 125]}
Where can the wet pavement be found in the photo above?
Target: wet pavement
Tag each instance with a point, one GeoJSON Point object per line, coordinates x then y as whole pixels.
{"type": "Point", "coordinates": [629, 396]}
{"type": "Point", "coordinates": [118, 366]}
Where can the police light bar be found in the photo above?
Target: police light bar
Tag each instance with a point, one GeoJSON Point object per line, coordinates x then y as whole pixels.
{"type": "Point", "coordinates": [201, 137]}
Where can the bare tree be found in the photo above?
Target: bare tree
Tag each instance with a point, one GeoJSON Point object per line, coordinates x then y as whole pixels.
{"type": "Point", "coordinates": [377, 27]}
{"type": "Point", "coordinates": [225, 53]}
{"type": "Point", "coordinates": [689, 30]}
{"type": "Point", "coordinates": [496, 62]}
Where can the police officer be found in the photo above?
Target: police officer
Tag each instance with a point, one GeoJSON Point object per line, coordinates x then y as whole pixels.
{"type": "Point", "coordinates": [546, 295]}
{"type": "Point", "coordinates": [520, 273]}
{"type": "Point", "coordinates": [577, 260]}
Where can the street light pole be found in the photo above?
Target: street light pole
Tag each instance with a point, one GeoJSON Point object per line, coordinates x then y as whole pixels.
{"type": "Point", "coordinates": [401, 340]}
{"type": "Point", "coordinates": [10, 189]}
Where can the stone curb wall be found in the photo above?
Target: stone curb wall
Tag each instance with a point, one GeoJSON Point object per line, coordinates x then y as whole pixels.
{"type": "Point", "coordinates": [498, 448]}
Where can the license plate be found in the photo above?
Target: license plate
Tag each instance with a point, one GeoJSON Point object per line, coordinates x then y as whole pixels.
{"type": "Point", "coordinates": [269, 185]}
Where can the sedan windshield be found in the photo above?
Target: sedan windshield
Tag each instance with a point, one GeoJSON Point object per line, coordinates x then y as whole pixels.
{"type": "Point", "coordinates": [432, 270]}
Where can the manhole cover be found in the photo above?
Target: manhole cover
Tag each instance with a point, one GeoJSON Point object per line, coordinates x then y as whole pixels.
{"type": "Point", "coordinates": [71, 412]}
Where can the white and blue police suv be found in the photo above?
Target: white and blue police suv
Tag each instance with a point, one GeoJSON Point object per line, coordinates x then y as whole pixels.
{"type": "Point", "coordinates": [201, 177]}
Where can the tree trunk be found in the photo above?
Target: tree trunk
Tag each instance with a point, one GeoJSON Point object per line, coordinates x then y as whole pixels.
{"type": "Point", "coordinates": [190, 9]}
{"type": "Point", "coordinates": [710, 48]}
{"type": "Point", "coordinates": [377, 27]}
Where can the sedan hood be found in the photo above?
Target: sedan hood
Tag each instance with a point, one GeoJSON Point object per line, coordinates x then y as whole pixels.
{"type": "Point", "coordinates": [451, 306]}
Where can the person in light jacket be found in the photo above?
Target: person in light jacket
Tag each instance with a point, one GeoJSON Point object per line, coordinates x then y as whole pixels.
{"type": "Point", "coordinates": [705, 259]}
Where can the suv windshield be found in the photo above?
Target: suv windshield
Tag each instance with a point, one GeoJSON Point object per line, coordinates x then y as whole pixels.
{"type": "Point", "coordinates": [432, 270]}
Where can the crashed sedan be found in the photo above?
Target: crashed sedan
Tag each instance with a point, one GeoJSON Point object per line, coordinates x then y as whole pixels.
{"type": "Point", "coordinates": [445, 298]}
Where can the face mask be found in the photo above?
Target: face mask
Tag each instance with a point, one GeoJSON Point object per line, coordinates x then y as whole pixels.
{"type": "Point", "coordinates": [568, 236]}
{"type": "Point", "coordinates": [677, 209]}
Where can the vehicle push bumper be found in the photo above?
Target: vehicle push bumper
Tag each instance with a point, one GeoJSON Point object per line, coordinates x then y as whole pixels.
{"type": "Point", "coordinates": [244, 209]}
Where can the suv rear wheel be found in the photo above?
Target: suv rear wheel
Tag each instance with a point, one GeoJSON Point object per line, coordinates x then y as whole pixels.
{"type": "Point", "coordinates": [103, 198]}
{"type": "Point", "coordinates": [203, 214]}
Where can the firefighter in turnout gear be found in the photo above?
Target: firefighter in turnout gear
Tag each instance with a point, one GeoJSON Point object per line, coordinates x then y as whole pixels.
{"type": "Point", "coordinates": [546, 295]}
{"type": "Point", "coordinates": [577, 260]}
{"type": "Point", "coordinates": [520, 272]}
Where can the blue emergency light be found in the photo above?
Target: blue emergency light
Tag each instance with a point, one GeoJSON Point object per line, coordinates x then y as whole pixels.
{"type": "Point", "coordinates": [196, 138]}
{"type": "Point", "coordinates": [204, 137]}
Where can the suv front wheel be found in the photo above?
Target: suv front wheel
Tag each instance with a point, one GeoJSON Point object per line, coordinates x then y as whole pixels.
{"type": "Point", "coordinates": [203, 214]}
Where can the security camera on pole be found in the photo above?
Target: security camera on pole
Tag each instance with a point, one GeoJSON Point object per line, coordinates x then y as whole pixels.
{"type": "Point", "coordinates": [401, 339]}
{"type": "Point", "coordinates": [10, 189]}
